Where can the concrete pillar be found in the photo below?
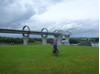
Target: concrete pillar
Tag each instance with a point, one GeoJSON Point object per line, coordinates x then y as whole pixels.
{"type": "Point", "coordinates": [44, 36]}
{"type": "Point", "coordinates": [67, 35]}
{"type": "Point", "coordinates": [25, 36]}
{"type": "Point", "coordinates": [25, 40]}
{"type": "Point", "coordinates": [67, 40]}
{"type": "Point", "coordinates": [44, 40]}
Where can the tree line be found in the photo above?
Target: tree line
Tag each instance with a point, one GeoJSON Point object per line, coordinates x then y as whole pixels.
{"type": "Point", "coordinates": [78, 40]}
{"type": "Point", "coordinates": [49, 40]}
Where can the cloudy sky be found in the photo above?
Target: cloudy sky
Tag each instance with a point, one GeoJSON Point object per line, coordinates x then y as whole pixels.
{"type": "Point", "coordinates": [81, 17]}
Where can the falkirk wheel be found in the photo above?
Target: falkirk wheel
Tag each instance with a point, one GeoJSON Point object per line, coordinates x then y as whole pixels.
{"type": "Point", "coordinates": [63, 37]}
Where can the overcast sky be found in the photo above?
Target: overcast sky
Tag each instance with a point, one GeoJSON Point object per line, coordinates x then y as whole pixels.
{"type": "Point", "coordinates": [81, 17]}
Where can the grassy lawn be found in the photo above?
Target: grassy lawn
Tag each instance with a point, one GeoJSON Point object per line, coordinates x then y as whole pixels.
{"type": "Point", "coordinates": [38, 59]}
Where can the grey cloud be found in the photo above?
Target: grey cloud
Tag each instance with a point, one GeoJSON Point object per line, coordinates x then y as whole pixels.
{"type": "Point", "coordinates": [85, 33]}
{"type": "Point", "coordinates": [42, 5]}
{"type": "Point", "coordinates": [89, 28]}
{"type": "Point", "coordinates": [14, 12]}
{"type": "Point", "coordinates": [56, 1]}
{"type": "Point", "coordinates": [6, 2]}
{"type": "Point", "coordinates": [78, 28]}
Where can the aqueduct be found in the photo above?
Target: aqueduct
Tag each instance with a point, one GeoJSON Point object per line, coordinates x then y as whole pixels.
{"type": "Point", "coordinates": [61, 36]}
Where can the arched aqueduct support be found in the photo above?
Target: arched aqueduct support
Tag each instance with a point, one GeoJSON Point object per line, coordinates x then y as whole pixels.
{"type": "Point", "coordinates": [26, 36]}
{"type": "Point", "coordinates": [58, 36]}
{"type": "Point", "coordinates": [44, 37]}
{"type": "Point", "coordinates": [67, 35]}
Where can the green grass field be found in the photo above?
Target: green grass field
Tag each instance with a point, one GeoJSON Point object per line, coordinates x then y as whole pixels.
{"type": "Point", "coordinates": [38, 59]}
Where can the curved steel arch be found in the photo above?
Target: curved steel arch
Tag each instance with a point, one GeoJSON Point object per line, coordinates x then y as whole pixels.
{"type": "Point", "coordinates": [46, 33]}
{"type": "Point", "coordinates": [68, 34]}
{"type": "Point", "coordinates": [58, 31]}
{"type": "Point", "coordinates": [28, 30]}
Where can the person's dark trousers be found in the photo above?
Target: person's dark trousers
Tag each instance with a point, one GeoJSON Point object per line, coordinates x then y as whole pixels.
{"type": "Point", "coordinates": [55, 49]}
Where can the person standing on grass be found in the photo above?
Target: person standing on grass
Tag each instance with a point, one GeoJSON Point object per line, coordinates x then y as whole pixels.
{"type": "Point", "coordinates": [55, 49]}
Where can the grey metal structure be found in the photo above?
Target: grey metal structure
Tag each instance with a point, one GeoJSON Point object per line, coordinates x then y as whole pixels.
{"type": "Point", "coordinates": [58, 34]}
{"type": "Point", "coordinates": [66, 35]}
